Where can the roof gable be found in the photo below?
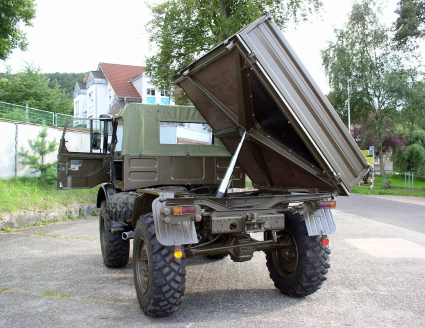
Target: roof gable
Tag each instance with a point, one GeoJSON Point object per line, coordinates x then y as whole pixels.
{"type": "Point", "coordinates": [119, 77]}
{"type": "Point", "coordinates": [80, 88]}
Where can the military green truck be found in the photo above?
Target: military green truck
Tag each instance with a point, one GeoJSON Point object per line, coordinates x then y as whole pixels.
{"type": "Point", "coordinates": [173, 178]}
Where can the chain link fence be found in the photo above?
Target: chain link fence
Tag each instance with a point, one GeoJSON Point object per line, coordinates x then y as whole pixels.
{"type": "Point", "coordinates": [17, 113]}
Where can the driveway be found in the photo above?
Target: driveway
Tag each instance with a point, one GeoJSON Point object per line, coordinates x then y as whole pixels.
{"type": "Point", "coordinates": [53, 276]}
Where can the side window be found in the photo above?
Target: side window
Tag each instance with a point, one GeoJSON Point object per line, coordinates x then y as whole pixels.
{"type": "Point", "coordinates": [180, 133]}
{"type": "Point", "coordinates": [88, 136]}
{"type": "Point", "coordinates": [120, 130]}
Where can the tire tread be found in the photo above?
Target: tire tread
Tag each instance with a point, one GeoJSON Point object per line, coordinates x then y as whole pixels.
{"type": "Point", "coordinates": [312, 263]}
{"type": "Point", "coordinates": [166, 291]}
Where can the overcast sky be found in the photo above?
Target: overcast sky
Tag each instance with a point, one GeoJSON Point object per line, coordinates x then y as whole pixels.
{"type": "Point", "coordinates": [74, 36]}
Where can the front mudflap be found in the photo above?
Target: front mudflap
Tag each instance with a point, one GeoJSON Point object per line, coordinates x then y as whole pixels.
{"type": "Point", "coordinates": [172, 233]}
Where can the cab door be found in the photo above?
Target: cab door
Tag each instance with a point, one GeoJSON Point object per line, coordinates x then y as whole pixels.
{"type": "Point", "coordinates": [84, 158]}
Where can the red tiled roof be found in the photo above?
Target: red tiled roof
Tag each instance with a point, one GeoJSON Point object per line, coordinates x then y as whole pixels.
{"type": "Point", "coordinates": [119, 77]}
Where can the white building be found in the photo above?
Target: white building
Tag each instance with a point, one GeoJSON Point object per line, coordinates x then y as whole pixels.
{"type": "Point", "coordinates": [108, 89]}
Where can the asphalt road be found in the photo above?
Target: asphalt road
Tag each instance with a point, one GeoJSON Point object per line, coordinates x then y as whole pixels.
{"type": "Point", "coordinates": [396, 210]}
{"type": "Point", "coordinates": [376, 280]}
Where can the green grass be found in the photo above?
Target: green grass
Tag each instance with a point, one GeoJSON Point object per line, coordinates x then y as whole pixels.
{"type": "Point", "coordinates": [248, 182]}
{"type": "Point", "coordinates": [397, 184]}
{"type": "Point", "coordinates": [49, 293]}
{"type": "Point", "coordinates": [397, 187]}
{"type": "Point", "coordinates": [33, 195]}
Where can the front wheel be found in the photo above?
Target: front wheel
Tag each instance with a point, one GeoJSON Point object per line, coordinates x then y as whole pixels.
{"type": "Point", "coordinates": [298, 270]}
{"type": "Point", "coordinates": [159, 277]}
{"type": "Point", "coordinates": [115, 250]}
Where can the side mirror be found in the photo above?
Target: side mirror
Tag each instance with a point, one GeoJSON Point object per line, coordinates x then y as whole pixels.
{"type": "Point", "coordinates": [96, 139]}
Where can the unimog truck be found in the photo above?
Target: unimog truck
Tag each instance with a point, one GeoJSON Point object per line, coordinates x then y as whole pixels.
{"type": "Point", "coordinates": [173, 178]}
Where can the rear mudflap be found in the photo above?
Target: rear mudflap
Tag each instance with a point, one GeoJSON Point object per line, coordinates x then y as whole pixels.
{"type": "Point", "coordinates": [319, 221]}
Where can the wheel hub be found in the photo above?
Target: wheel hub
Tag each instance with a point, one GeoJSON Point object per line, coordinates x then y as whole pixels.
{"type": "Point", "coordinates": [142, 265]}
{"type": "Point", "coordinates": [286, 259]}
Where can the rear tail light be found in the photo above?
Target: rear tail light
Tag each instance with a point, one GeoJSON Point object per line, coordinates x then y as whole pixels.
{"type": "Point", "coordinates": [182, 210]}
{"type": "Point", "coordinates": [327, 204]}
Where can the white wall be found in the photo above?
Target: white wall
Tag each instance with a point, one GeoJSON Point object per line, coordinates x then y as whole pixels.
{"type": "Point", "coordinates": [81, 98]}
{"type": "Point", "coordinates": [138, 84]}
{"type": "Point", "coordinates": [111, 99]}
{"type": "Point", "coordinates": [91, 100]}
{"type": "Point", "coordinates": [101, 100]}
{"type": "Point", "coordinates": [7, 150]}
{"type": "Point", "coordinates": [11, 146]}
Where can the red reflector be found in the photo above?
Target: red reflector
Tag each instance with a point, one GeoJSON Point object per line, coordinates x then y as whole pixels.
{"type": "Point", "coordinates": [182, 210]}
{"type": "Point", "coordinates": [325, 242]}
{"type": "Point", "coordinates": [327, 204]}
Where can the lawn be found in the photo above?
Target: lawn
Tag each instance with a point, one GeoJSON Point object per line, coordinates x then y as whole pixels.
{"type": "Point", "coordinates": [32, 194]}
{"type": "Point", "coordinates": [398, 186]}
{"type": "Point", "coordinates": [397, 183]}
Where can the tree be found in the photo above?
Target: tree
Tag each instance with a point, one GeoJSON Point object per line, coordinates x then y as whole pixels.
{"type": "Point", "coordinates": [12, 14]}
{"type": "Point", "coordinates": [411, 157]}
{"type": "Point", "coordinates": [66, 81]}
{"type": "Point", "coordinates": [410, 24]}
{"type": "Point", "coordinates": [41, 147]}
{"type": "Point", "coordinates": [413, 111]}
{"type": "Point", "coordinates": [362, 60]}
{"type": "Point", "coordinates": [183, 30]}
{"type": "Point", "coordinates": [32, 87]}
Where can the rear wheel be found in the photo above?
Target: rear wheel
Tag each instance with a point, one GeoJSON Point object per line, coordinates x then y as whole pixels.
{"type": "Point", "coordinates": [298, 270]}
{"type": "Point", "coordinates": [159, 277]}
{"type": "Point", "coordinates": [115, 250]}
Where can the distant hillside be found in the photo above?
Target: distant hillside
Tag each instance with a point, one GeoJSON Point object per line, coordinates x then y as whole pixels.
{"type": "Point", "coordinates": [66, 81]}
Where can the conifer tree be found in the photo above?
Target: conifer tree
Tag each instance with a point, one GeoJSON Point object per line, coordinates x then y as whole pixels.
{"type": "Point", "coordinates": [37, 161]}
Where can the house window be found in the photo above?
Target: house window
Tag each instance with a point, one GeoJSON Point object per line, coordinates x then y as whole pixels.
{"type": "Point", "coordinates": [165, 93]}
{"type": "Point", "coordinates": [77, 109]}
{"type": "Point", "coordinates": [110, 95]}
{"type": "Point", "coordinates": [150, 92]}
{"type": "Point", "coordinates": [165, 101]}
{"type": "Point", "coordinates": [150, 100]}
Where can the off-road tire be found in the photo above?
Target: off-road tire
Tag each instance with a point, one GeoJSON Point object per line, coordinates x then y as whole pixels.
{"type": "Point", "coordinates": [300, 270]}
{"type": "Point", "coordinates": [120, 206]}
{"type": "Point", "coordinates": [159, 277]}
{"type": "Point", "coordinates": [115, 250]}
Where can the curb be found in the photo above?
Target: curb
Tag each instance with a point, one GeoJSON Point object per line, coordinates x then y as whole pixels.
{"type": "Point", "coordinates": [29, 218]}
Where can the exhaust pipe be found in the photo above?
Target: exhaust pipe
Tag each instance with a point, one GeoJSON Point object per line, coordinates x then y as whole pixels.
{"type": "Point", "coordinates": [127, 235]}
